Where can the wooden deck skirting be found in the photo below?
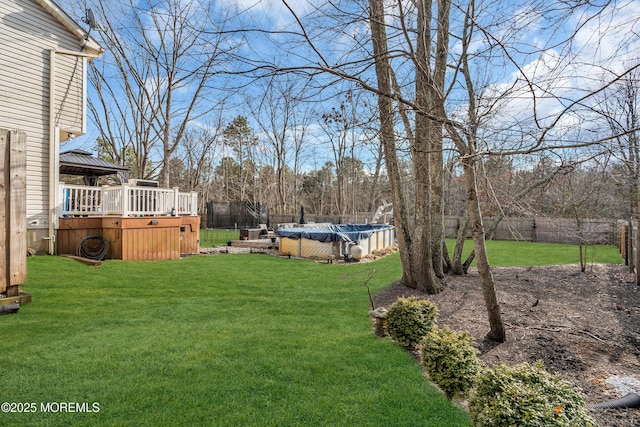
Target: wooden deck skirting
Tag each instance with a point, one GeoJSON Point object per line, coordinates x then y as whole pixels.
{"type": "Point", "coordinates": [133, 238]}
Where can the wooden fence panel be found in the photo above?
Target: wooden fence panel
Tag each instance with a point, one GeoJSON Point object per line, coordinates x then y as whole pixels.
{"type": "Point", "coordinates": [558, 230]}
{"type": "Point", "coordinates": [513, 229]}
{"type": "Point", "coordinates": [545, 230]}
{"type": "Point", "coordinates": [13, 217]}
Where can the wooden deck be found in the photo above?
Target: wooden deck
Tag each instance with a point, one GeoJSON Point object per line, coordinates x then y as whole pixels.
{"type": "Point", "coordinates": [133, 238]}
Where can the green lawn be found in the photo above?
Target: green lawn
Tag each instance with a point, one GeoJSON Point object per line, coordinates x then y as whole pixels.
{"type": "Point", "coordinates": [511, 254]}
{"type": "Point", "coordinates": [211, 237]}
{"type": "Point", "coordinates": [501, 253]}
{"type": "Point", "coordinates": [222, 340]}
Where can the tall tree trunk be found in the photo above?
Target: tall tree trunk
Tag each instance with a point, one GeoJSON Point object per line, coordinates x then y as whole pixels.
{"type": "Point", "coordinates": [436, 133]}
{"type": "Point", "coordinates": [423, 132]}
{"type": "Point", "coordinates": [497, 331]}
{"type": "Point", "coordinates": [426, 244]}
{"type": "Point", "coordinates": [415, 251]}
{"type": "Point", "coordinates": [457, 267]}
{"type": "Point", "coordinates": [469, 158]}
{"type": "Point", "coordinates": [633, 177]}
{"type": "Point", "coordinates": [373, 194]}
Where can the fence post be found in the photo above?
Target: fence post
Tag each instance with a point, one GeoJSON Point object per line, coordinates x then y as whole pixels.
{"type": "Point", "coordinates": [176, 201]}
{"type": "Point", "coordinates": [125, 199]}
{"type": "Point", "coordinates": [13, 218]}
{"type": "Point", "coordinates": [194, 203]}
{"type": "Point", "coordinates": [636, 240]}
{"type": "Point", "coordinates": [623, 240]}
{"type": "Point", "coordinates": [629, 243]}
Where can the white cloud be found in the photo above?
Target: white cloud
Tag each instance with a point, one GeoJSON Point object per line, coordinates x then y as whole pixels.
{"type": "Point", "coordinates": [270, 14]}
{"type": "Point", "coordinates": [548, 87]}
{"type": "Point", "coordinates": [611, 40]}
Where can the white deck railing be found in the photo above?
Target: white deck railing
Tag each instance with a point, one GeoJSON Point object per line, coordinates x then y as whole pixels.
{"type": "Point", "coordinates": [125, 200]}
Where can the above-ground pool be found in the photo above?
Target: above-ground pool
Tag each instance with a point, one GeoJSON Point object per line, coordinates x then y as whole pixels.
{"type": "Point", "coordinates": [337, 240]}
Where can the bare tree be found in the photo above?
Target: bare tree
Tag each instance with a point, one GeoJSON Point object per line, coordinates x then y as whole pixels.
{"type": "Point", "coordinates": [458, 71]}
{"type": "Point", "coordinates": [468, 135]}
{"type": "Point", "coordinates": [241, 139]}
{"type": "Point", "coordinates": [283, 119]}
{"type": "Point", "coordinates": [157, 76]}
{"type": "Point", "coordinates": [620, 107]}
{"type": "Point", "coordinates": [318, 187]}
{"type": "Point", "coordinates": [343, 126]}
{"type": "Point", "coordinates": [197, 151]}
{"type": "Point", "coordinates": [388, 138]}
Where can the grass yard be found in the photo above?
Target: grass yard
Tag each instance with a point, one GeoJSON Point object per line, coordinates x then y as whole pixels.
{"type": "Point", "coordinates": [211, 237]}
{"type": "Point", "coordinates": [225, 340]}
{"type": "Point", "coordinates": [501, 253]}
{"type": "Point", "coordinates": [524, 254]}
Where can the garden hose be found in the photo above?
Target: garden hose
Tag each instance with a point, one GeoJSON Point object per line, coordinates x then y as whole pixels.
{"type": "Point", "coordinates": [631, 400]}
{"type": "Point", "coordinates": [93, 247]}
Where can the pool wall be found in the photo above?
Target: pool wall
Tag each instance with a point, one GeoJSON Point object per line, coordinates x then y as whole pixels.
{"type": "Point", "coordinates": [336, 240]}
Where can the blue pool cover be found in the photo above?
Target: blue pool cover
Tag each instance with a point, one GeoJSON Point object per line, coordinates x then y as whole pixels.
{"type": "Point", "coordinates": [333, 232]}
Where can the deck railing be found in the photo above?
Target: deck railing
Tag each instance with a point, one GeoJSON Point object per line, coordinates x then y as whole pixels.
{"type": "Point", "coordinates": [125, 200]}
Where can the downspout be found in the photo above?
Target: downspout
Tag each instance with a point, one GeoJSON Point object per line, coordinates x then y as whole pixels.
{"type": "Point", "coordinates": [52, 150]}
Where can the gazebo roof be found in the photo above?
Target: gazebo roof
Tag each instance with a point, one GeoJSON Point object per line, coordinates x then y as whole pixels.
{"type": "Point", "coordinates": [79, 162]}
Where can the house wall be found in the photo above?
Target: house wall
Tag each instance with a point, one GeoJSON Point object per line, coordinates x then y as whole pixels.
{"type": "Point", "coordinates": [27, 34]}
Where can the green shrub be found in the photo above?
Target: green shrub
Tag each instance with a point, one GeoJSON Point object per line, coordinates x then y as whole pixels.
{"type": "Point", "coordinates": [526, 395]}
{"type": "Point", "coordinates": [409, 319]}
{"type": "Point", "coordinates": [451, 360]}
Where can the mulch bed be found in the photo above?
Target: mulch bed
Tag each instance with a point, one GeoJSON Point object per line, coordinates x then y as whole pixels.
{"type": "Point", "coordinates": [584, 326]}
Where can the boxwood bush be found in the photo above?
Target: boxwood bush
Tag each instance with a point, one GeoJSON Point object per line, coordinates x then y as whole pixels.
{"type": "Point", "coordinates": [410, 319]}
{"type": "Point", "coordinates": [526, 395]}
{"type": "Point", "coordinates": [450, 360]}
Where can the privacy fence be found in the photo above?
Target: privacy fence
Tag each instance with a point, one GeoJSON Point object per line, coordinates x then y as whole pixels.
{"type": "Point", "coordinates": [236, 215]}
{"type": "Point", "coordinates": [533, 229]}
{"type": "Point", "coordinates": [546, 230]}
{"type": "Point", "coordinates": [538, 229]}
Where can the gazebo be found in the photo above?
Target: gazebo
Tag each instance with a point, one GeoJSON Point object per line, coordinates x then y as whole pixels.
{"type": "Point", "coordinates": [82, 163]}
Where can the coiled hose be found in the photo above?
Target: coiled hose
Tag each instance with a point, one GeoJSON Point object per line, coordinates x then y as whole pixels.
{"type": "Point", "coordinates": [93, 247]}
{"type": "Point", "coordinates": [631, 400]}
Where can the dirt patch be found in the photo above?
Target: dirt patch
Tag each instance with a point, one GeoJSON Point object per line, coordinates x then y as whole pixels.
{"type": "Point", "coordinates": [584, 326]}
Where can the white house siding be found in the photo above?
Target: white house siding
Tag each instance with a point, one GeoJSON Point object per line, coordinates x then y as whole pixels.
{"type": "Point", "coordinates": [69, 93]}
{"type": "Point", "coordinates": [27, 34]}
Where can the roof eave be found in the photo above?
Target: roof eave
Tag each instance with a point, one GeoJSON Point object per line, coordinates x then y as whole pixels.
{"type": "Point", "coordinates": [90, 45]}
